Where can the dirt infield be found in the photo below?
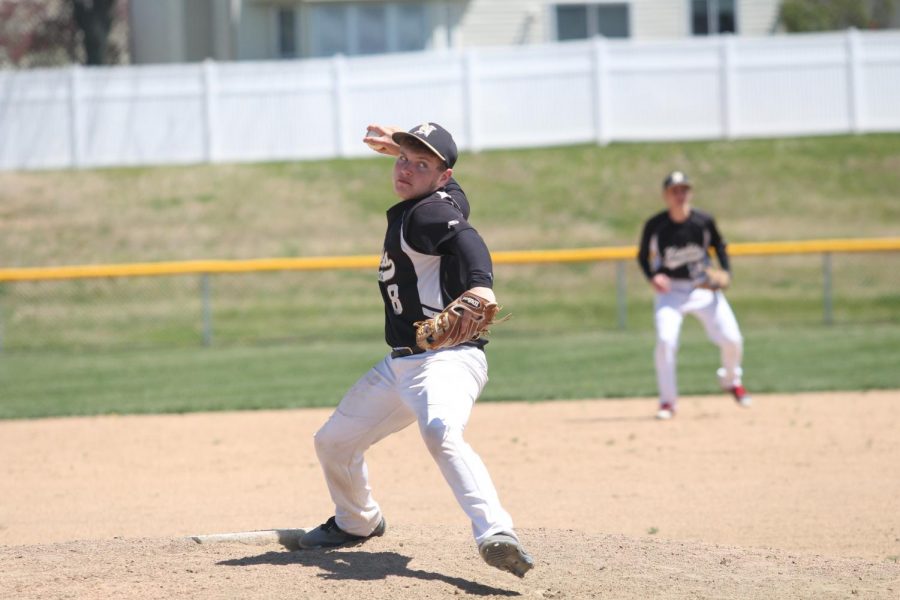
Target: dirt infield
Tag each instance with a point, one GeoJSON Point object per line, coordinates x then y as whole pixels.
{"type": "Point", "coordinates": [794, 498]}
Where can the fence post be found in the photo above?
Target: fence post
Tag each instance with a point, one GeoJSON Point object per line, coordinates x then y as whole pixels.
{"type": "Point", "coordinates": [854, 81]}
{"type": "Point", "coordinates": [621, 299]}
{"type": "Point", "coordinates": [206, 301]}
{"type": "Point", "coordinates": [726, 84]}
{"type": "Point", "coordinates": [470, 98]}
{"type": "Point", "coordinates": [600, 68]}
{"type": "Point", "coordinates": [75, 116]}
{"type": "Point", "coordinates": [339, 77]}
{"type": "Point", "coordinates": [210, 94]}
{"type": "Point", "coordinates": [828, 313]}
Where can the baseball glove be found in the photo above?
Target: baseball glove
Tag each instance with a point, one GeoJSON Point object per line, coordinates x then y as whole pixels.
{"type": "Point", "coordinates": [465, 319]}
{"type": "Point", "coordinates": [714, 278]}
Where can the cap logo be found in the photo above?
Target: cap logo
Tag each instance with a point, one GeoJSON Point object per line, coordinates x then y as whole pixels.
{"type": "Point", "coordinates": [425, 129]}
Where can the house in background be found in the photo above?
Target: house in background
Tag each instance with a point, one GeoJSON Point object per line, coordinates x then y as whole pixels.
{"type": "Point", "coordinates": [193, 30]}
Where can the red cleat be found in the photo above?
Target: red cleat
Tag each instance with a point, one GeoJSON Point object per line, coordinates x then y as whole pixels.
{"type": "Point", "coordinates": [741, 396]}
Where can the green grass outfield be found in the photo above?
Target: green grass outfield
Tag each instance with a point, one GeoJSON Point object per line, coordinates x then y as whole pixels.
{"type": "Point", "coordinates": [291, 339]}
{"type": "Point", "coordinates": [593, 364]}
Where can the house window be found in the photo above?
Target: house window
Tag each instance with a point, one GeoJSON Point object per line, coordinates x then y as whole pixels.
{"type": "Point", "coordinates": [413, 30]}
{"type": "Point", "coordinates": [709, 17]}
{"type": "Point", "coordinates": [328, 30]}
{"type": "Point", "coordinates": [368, 28]}
{"type": "Point", "coordinates": [372, 28]}
{"type": "Point", "coordinates": [580, 21]}
{"type": "Point", "coordinates": [287, 36]}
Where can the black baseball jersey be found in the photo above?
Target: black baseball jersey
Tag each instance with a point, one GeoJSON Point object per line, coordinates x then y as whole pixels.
{"type": "Point", "coordinates": [431, 255]}
{"type": "Point", "coordinates": [680, 250]}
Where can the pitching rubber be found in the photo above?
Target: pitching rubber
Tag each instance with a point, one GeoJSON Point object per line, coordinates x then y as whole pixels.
{"type": "Point", "coordinates": [289, 538]}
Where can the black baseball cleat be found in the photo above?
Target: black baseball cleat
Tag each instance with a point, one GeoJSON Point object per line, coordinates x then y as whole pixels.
{"type": "Point", "coordinates": [329, 535]}
{"type": "Point", "coordinates": [503, 551]}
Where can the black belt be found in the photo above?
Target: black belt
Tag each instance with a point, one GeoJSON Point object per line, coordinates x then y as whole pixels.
{"type": "Point", "coordinates": [405, 351]}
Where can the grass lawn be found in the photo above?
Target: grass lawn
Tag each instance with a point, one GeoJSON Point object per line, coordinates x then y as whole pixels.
{"type": "Point", "coordinates": [574, 196]}
{"type": "Point", "coordinates": [592, 364]}
{"type": "Point", "coordinates": [289, 339]}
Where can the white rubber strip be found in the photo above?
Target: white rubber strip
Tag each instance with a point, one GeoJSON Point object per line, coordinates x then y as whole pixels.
{"type": "Point", "coordinates": [286, 537]}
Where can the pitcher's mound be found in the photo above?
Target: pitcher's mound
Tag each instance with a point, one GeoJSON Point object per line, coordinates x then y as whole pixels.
{"type": "Point", "coordinates": [423, 563]}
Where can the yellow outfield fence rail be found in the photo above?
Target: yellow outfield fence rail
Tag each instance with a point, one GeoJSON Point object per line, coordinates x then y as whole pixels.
{"type": "Point", "coordinates": [323, 263]}
{"type": "Point", "coordinates": [621, 255]}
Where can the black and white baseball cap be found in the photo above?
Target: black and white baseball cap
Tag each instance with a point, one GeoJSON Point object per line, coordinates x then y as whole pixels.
{"type": "Point", "coordinates": [676, 178]}
{"type": "Point", "coordinates": [435, 138]}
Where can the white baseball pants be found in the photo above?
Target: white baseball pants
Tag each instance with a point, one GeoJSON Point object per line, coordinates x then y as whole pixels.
{"type": "Point", "coordinates": [713, 310]}
{"type": "Point", "coordinates": [436, 389]}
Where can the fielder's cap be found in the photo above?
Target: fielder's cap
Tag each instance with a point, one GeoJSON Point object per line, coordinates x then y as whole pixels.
{"type": "Point", "coordinates": [676, 178]}
{"type": "Point", "coordinates": [435, 138]}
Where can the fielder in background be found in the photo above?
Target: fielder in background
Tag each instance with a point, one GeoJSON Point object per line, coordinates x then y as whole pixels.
{"type": "Point", "coordinates": [674, 255]}
{"type": "Point", "coordinates": [435, 272]}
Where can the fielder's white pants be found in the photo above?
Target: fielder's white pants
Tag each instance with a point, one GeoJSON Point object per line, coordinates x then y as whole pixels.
{"type": "Point", "coordinates": [436, 389]}
{"type": "Point", "coordinates": [713, 310]}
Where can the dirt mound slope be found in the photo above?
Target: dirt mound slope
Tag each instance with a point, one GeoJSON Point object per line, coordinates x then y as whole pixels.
{"type": "Point", "coordinates": [793, 498]}
{"type": "Point", "coordinates": [418, 562]}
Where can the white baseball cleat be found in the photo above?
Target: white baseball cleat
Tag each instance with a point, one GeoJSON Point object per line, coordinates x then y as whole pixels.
{"type": "Point", "coordinates": [666, 412]}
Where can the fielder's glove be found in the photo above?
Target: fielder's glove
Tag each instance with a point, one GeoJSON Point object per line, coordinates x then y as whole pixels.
{"type": "Point", "coordinates": [465, 319]}
{"type": "Point", "coordinates": [714, 278]}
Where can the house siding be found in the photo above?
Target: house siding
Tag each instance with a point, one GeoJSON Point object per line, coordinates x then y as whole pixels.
{"type": "Point", "coordinates": [503, 22]}
{"type": "Point", "coordinates": [655, 19]}
{"type": "Point", "coordinates": [160, 27]}
{"type": "Point", "coordinates": [511, 22]}
{"type": "Point", "coordinates": [661, 19]}
{"type": "Point", "coordinates": [758, 17]}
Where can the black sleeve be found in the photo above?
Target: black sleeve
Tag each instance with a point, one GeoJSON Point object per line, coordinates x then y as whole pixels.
{"type": "Point", "coordinates": [643, 257]}
{"type": "Point", "coordinates": [718, 242]}
{"type": "Point", "coordinates": [458, 196]}
{"type": "Point", "coordinates": [474, 258]}
{"type": "Point", "coordinates": [434, 223]}
{"type": "Point", "coordinates": [440, 227]}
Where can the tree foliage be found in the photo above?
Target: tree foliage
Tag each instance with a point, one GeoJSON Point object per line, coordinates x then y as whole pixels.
{"type": "Point", "coordinates": [829, 15]}
{"type": "Point", "coordinates": [45, 33]}
{"type": "Point", "coordinates": [35, 34]}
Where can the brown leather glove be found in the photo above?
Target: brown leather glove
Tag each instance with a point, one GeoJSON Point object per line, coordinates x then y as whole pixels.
{"type": "Point", "coordinates": [465, 319]}
{"type": "Point", "coordinates": [715, 278]}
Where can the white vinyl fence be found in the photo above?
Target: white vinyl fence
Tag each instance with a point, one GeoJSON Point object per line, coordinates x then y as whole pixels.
{"type": "Point", "coordinates": [596, 91]}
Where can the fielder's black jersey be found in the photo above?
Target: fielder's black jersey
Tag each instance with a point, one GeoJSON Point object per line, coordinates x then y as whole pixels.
{"type": "Point", "coordinates": [680, 250]}
{"type": "Point", "coordinates": [431, 255]}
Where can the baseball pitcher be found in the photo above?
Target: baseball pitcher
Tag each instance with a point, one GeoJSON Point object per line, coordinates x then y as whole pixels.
{"type": "Point", "coordinates": [674, 255]}
{"type": "Point", "coordinates": [436, 283]}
